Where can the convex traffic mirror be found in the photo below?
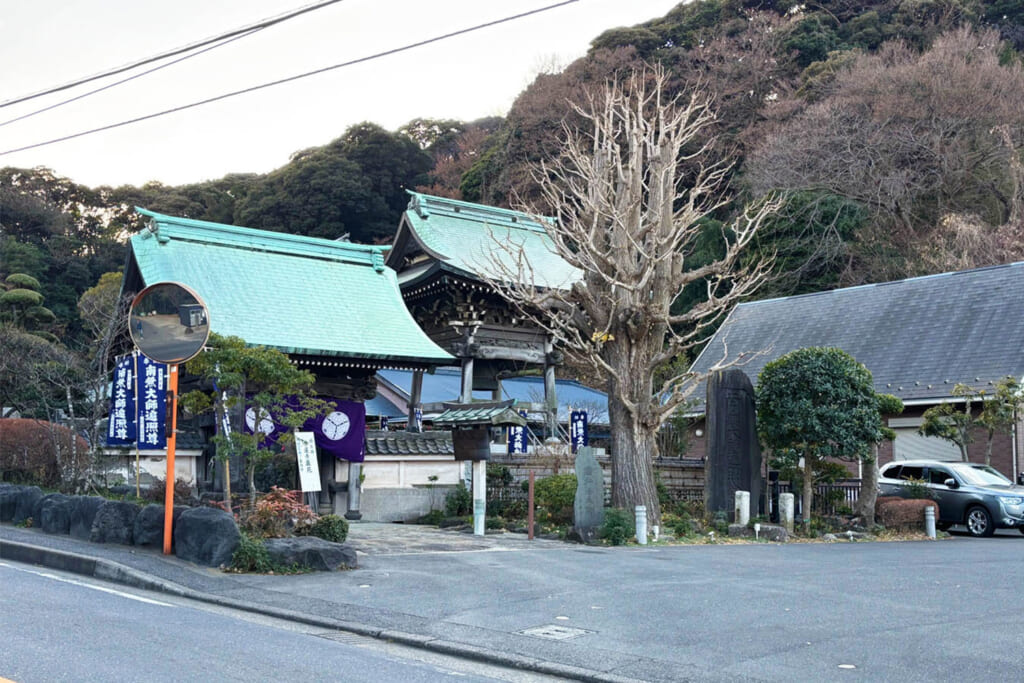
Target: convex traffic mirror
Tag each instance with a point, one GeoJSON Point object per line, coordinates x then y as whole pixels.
{"type": "Point", "coordinates": [168, 322]}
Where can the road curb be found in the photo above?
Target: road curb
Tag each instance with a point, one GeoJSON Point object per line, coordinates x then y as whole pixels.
{"type": "Point", "coordinates": [114, 572]}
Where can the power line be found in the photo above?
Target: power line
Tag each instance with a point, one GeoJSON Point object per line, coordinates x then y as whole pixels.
{"type": "Point", "coordinates": [175, 52]}
{"type": "Point", "coordinates": [289, 79]}
{"type": "Point", "coordinates": [125, 80]}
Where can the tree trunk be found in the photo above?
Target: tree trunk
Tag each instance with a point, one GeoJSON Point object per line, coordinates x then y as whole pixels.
{"type": "Point", "coordinates": [869, 491]}
{"type": "Point", "coordinates": [633, 450]}
{"type": "Point", "coordinates": [808, 493]}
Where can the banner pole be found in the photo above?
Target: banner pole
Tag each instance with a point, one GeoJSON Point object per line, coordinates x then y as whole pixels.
{"type": "Point", "coordinates": [135, 388]}
{"type": "Point", "coordinates": [172, 390]}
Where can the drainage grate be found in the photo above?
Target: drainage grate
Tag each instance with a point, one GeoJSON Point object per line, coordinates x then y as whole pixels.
{"type": "Point", "coordinates": [554, 632]}
{"type": "Point", "coordinates": [342, 637]}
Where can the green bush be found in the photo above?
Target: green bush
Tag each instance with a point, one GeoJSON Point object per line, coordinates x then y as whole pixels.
{"type": "Point", "coordinates": [494, 523]}
{"type": "Point", "coordinates": [432, 518]}
{"type": "Point", "coordinates": [618, 526]}
{"type": "Point", "coordinates": [556, 494]}
{"type": "Point", "coordinates": [459, 501]}
{"type": "Point", "coordinates": [251, 556]}
{"type": "Point", "coordinates": [328, 527]}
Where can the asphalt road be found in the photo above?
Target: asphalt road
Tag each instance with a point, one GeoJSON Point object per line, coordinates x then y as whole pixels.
{"type": "Point", "coordinates": [59, 627]}
{"type": "Point", "coordinates": [948, 610]}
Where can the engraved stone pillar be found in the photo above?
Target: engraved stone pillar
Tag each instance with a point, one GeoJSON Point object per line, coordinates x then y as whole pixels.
{"type": "Point", "coordinates": [550, 399]}
{"type": "Point", "coordinates": [479, 496]}
{"type": "Point", "coordinates": [734, 456]}
{"type": "Point", "coordinates": [742, 511]}
{"type": "Point", "coordinates": [786, 511]}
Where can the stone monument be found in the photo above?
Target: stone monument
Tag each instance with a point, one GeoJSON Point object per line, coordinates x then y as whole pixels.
{"type": "Point", "coordinates": [733, 454]}
{"type": "Point", "coordinates": [588, 508]}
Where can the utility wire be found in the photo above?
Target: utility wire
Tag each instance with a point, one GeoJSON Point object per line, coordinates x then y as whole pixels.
{"type": "Point", "coordinates": [175, 52]}
{"type": "Point", "coordinates": [289, 79]}
{"type": "Point", "coordinates": [129, 78]}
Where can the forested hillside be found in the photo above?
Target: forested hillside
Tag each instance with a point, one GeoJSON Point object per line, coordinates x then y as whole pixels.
{"type": "Point", "coordinates": [895, 128]}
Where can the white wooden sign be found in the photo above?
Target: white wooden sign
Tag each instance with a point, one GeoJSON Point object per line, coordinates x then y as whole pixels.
{"type": "Point", "coordinates": [309, 467]}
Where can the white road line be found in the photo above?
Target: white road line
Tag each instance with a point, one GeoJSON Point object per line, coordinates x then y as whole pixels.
{"type": "Point", "coordinates": [88, 585]}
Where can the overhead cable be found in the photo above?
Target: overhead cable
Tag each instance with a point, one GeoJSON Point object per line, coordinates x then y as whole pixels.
{"type": "Point", "coordinates": [175, 52]}
{"type": "Point", "coordinates": [289, 79]}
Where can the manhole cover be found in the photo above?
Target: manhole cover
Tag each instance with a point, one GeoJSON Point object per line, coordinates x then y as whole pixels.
{"type": "Point", "coordinates": [554, 632]}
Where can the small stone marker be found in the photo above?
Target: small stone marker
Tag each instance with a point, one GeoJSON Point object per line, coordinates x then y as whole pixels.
{"type": "Point", "coordinates": [742, 511]}
{"type": "Point", "coordinates": [734, 456]}
{"type": "Point", "coordinates": [588, 509]}
{"type": "Point", "coordinates": [786, 511]}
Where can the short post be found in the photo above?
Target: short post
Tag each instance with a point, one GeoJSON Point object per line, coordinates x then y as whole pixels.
{"type": "Point", "coordinates": [929, 520]}
{"type": "Point", "coordinates": [529, 508]}
{"type": "Point", "coordinates": [786, 511]}
{"type": "Point", "coordinates": [641, 524]}
{"type": "Point", "coordinates": [479, 496]}
{"type": "Point", "coordinates": [742, 508]}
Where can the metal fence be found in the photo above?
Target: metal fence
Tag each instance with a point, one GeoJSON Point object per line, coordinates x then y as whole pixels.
{"type": "Point", "coordinates": [829, 499]}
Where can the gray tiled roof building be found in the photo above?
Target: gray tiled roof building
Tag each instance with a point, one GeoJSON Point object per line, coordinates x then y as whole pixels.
{"type": "Point", "coordinates": [918, 337]}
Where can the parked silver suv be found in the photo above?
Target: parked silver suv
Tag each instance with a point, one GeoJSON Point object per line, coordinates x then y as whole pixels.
{"type": "Point", "coordinates": [976, 496]}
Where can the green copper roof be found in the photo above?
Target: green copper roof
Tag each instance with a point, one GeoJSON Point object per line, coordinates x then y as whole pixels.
{"type": "Point", "coordinates": [302, 295]}
{"type": "Point", "coordinates": [466, 236]}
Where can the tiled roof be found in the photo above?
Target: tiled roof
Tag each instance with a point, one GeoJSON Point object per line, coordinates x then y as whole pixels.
{"type": "Point", "coordinates": [445, 384]}
{"type": "Point", "coordinates": [494, 414]}
{"type": "Point", "coordinates": [918, 337]}
{"type": "Point", "coordinates": [301, 295]}
{"type": "Point", "coordinates": [464, 237]}
{"type": "Point", "coordinates": [409, 443]}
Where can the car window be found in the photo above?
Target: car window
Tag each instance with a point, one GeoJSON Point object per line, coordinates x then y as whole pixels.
{"type": "Point", "coordinates": [912, 472]}
{"type": "Point", "coordinates": [937, 476]}
{"type": "Point", "coordinates": [983, 476]}
{"type": "Point", "coordinates": [891, 472]}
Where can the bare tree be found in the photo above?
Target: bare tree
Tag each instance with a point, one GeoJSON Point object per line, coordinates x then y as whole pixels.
{"type": "Point", "coordinates": [627, 217]}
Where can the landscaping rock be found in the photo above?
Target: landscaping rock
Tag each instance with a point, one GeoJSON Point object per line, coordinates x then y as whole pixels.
{"type": "Point", "coordinates": [149, 525]}
{"type": "Point", "coordinates": [83, 514]}
{"type": "Point", "coordinates": [769, 532]}
{"type": "Point", "coordinates": [8, 502]}
{"type": "Point", "coordinates": [54, 513]}
{"type": "Point", "coordinates": [206, 536]}
{"type": "Point", "coordinates": [312, 552]}
{"type": "Point", "coordinates": [114, 522]}
{"type": "Point", "coordinates": [25, 503]}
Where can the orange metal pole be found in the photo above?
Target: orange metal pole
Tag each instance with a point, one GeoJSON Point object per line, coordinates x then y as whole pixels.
{"type": "Point", "coordinates": [172, 390]}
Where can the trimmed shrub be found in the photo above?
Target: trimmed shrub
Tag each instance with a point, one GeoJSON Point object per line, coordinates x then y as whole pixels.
{"type": "Point", "coordinates": [899, 514]}
{"type": "Point", "coordinates": [251, 556]}
{"type": "Point", "coordinates": [459, 501]}
{"type": "Point", "coordinates": [556, 494]}
{"type": "Point", "coordinates": [329, 527]}
{"type": "Point", "coordinates": [277, 514]}
{"type": "Point", "coordinates": [618, 526]}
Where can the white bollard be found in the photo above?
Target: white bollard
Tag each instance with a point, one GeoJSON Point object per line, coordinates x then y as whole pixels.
{"type": "Point", "coordinates": [741, 514]}
{"type": "Point", "coordinates": [786, 507]}
{"type": "Point", "coordinates": [929, 521]}
{"type": "Point", "coordinates": [641, 524]}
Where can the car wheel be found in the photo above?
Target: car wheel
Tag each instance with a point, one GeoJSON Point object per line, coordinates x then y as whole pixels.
{"type": "Point", "coordinates": [979, 522]}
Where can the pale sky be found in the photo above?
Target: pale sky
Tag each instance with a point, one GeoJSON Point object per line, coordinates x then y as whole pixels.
{"type": "Point", "coordinates": [44, 43]}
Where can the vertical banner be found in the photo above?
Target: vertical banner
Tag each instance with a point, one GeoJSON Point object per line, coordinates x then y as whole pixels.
{"type": "Point", "coordinates": [517, 442]}
{"type": "Point", "coordinates": [309, 466]}
{"type": "Point", "coordinates": [418, 413]}
{"type": "Point", "coordinates": [121, 425]}
{"type": "Point", "coordinates": [578, 434]}
{"type": "Point", "coordinates": [384, 423]}
{"type": "Point", "coordinates": [152, 405]}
